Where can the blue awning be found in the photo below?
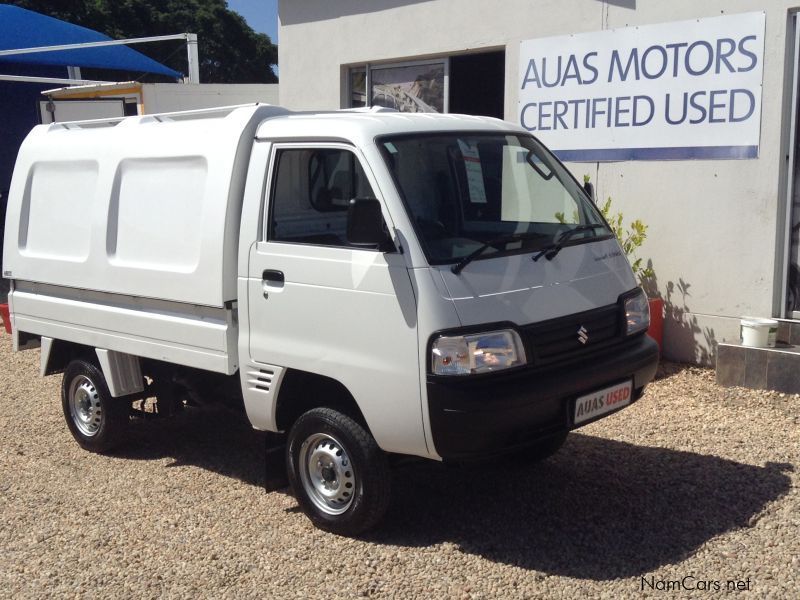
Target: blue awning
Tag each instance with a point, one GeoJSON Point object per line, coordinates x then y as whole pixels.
{"type": "Point", "coordinates": [20, 28]}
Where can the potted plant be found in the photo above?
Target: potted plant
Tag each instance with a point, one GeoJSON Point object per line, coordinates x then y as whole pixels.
{"type": "Point", "coordinates": [631, 238]}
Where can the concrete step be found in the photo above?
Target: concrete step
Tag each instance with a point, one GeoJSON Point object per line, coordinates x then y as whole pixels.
{"type": "Point", "coordinates": [789, 332]}
{"type": "Point", "coordinates": [760, 368]}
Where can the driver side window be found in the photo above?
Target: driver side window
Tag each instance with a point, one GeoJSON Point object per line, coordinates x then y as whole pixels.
{"type": "Point", "coordinates": [311, 191]}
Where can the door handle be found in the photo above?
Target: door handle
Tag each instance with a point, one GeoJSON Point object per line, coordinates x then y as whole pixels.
{"type": "Point", "coordinates": [275, 278]}
{"type": "Point", "coordinates": [272, 281]}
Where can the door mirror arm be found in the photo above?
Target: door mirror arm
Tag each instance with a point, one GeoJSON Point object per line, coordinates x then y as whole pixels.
{"type": "Point", "coordinates": [588, 187]}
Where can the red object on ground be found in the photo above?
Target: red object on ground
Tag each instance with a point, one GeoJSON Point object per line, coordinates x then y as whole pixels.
{"type": "Point", "coordinates": [656, 329]}
{"type": "Point", "coordinates": [6, 317]}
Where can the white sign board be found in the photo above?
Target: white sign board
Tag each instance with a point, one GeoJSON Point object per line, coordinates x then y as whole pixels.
{"type": "Point", "coordinates": [684, 90]}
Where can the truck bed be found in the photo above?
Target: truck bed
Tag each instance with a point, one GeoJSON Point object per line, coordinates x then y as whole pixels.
{"type": "Point", "coordinates": [203, 337]}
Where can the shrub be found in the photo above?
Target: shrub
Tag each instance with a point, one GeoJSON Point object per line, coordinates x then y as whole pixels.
{"type": "Point", "coordinates": [630, 238]}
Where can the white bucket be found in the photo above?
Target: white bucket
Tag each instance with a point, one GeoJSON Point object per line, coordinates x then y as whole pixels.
{"type": "Point", "coordinates": [758, 333]}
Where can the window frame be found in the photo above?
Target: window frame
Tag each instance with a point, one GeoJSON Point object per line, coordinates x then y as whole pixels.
{"type": "Point", "coordinates": [370, 67]}
{"type": "Point", "coordinates": [266, 235]}
{"type": "Point", "coordinates": [367, 81]}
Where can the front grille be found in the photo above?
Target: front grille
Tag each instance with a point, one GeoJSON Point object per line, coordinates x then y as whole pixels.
{"type": "Point", "coordinates": [559, 340]}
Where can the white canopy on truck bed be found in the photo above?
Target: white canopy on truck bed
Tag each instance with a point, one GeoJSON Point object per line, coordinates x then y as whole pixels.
{"type": "Point", "coordinates": [144, 206]}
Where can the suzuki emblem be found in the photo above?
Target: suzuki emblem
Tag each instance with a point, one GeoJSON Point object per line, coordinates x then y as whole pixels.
{"type": "Point", "coordinates": [583, 335]}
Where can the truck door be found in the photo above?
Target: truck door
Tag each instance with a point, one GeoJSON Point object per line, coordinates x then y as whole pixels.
{"type": "Point", "coordinates": [320, 305]}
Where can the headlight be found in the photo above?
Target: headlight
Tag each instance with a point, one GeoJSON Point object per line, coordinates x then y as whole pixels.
{"type": "Point", "coordinates": [479, 353]}
{"type": "Point", "coordinates": [637, 313]}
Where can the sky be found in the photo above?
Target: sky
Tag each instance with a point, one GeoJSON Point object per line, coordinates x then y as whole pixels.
{"type": "Point", "coordinates": [261, 15]}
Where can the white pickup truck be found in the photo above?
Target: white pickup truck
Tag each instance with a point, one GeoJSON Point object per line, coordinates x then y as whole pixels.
{"type": "Point", "coordinates": [371, 283]}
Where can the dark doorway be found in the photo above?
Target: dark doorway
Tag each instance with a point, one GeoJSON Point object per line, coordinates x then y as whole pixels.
{"type": "Point", "coordinates": [477, 84]}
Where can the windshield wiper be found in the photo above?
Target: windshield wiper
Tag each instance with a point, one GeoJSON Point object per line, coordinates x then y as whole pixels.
{"type": "Point", "coordinates": [550, 251]}
{"type": "Point", "coordinates": [506, 239]}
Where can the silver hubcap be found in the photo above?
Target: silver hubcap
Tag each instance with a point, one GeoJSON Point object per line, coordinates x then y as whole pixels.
{"type": "Point", "coordinates": [326, 473]}
{"type": "Point", "coordinates": [84, 406]}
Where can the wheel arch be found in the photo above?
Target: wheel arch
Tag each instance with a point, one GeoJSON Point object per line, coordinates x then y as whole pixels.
{"type": "Point", "coordinates": [301, 391]}
{"type": "Point", "coordinates": [57, 354]}
{"type": "Point", "coordinates": [121, 371]}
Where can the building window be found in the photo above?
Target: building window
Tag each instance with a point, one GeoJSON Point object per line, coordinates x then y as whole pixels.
{"type": "Point", "coordinates": [419, 86]}
{"type": "Point", "coordinates": [472, 84]}
{"type": "Point", "coordinates": [358, 88]}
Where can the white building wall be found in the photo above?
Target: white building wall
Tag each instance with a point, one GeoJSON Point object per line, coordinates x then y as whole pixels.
{"type": "Point", "coordinates": [169, 97]}
{"type": "Point", "coordinates": [713, 225]}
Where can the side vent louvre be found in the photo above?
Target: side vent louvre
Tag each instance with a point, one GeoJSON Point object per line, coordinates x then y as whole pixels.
{"type": "Point", "coordinates": [260, 380]}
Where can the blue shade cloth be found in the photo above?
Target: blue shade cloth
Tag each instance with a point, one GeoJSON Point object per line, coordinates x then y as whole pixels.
{"type": "Point", "coordinates": [20, 28]}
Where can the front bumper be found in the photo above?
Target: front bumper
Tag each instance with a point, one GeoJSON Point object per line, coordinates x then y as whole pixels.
{"type": "Point", "coordinates": [480, 416]}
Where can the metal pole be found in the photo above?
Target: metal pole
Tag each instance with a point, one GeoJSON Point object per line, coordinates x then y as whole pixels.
{"type": "Point", "coordinates": [191, 49]}
{"type": "Point", "coordinates": [58, 80]}
{"type": "Point", "coordinates": [193, 58]}
{"type": "Point", "coordinates": [159, 38]}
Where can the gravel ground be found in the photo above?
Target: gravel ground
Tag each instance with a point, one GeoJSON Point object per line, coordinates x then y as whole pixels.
{"type": "Point", "coordinates": [693, 480]}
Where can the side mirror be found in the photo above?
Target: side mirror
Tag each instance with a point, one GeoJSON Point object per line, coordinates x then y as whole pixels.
{"type": "Point", "coordinates": [365, 224]}
{"type": "Point", "coordinates": [588, 187]}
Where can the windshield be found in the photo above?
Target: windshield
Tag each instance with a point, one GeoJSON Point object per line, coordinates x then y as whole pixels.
{"type": "Point", "coordinates": [466, 190]}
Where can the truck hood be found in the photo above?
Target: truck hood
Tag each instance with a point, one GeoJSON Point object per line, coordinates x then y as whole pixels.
{"type": "Point", "coordinates": [517, 289]}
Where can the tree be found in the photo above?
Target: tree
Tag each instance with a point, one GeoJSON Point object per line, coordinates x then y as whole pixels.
{"type": "Point", "coordinates": [229, 50]}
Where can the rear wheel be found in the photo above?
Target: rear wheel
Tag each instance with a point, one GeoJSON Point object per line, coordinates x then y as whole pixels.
{"type": "Point", "coordinates": [96, 420]}
{"type": "Point", "coordinates": [338, 473]}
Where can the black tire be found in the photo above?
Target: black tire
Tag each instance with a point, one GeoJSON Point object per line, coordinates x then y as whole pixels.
{"type": "Point", "coordinates": [358, 490]}
{"type": "Point", "coordinates": [97, 421]}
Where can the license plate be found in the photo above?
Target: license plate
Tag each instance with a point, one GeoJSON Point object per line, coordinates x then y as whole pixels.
{"type": "Point", "coordinates": [602, 401]}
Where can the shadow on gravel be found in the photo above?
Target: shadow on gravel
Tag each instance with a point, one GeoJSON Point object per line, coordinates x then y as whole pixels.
{"type": "Point", "coordinates": [210, 438]}
{"type": "Point", "coordinates": [599, 509]}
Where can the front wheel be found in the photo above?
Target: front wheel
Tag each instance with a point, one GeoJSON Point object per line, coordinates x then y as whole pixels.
{"type": "Point", "coordinates": [96, 420]}
{"type": "Point", "coordinates": [338, 473]}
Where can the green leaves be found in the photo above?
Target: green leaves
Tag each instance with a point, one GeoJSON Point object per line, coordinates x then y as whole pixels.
{"type": "Point", "coordinates": [630, 238]}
